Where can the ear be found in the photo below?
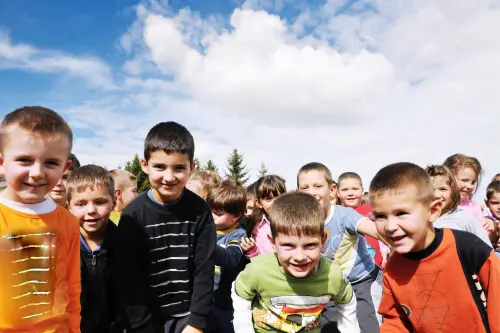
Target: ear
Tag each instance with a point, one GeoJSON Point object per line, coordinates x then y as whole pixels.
{"type": "Point", "coordinates": [236, 217]}
{"type": "Point", "coordinates": [435, 209]}
{"type": "Point", "coordinates": [257, 203]}
{"type": "Point", "coordinates": [193, 166]}
{"type": "Point", "coordinates": [271, 240]}
{"type": "Point", "coordinates": [2, 169]}
{"type": "Point", "coordinates": [144, 165]}
{"type": "Point", "coordinates": [118, 194]}
{"type": "Point", "coordinates": [323, 239]}
{"type": "Point", "coordinates": [67, 165]}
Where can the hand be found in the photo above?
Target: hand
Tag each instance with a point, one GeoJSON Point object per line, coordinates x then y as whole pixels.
{"type": "Point", "coordinates": [247, 244]}
{"type": "Point", "coordinates": [488, 225]}
{"type": "Point", "coordinates": [191, 329]}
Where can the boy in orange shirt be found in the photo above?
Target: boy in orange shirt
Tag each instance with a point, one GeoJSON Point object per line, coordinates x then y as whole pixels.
{"type": "Point", "coordinates": [39, 240]}
{"type": "Point", "coordinates": [437, 279]}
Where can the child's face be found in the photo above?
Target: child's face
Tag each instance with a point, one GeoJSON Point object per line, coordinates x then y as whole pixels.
{"type": "Point", "coordinates": [442, 190]}
{"type": "Point", "coordinates": [493, 204]}
{"type": "Point", "coordinates": [223, 220]}
{"type": "Point", "coordinates": [168, 174]}
{"type": "Point", "coordinates": [33, 165]}
{"type": "Point", "coordinates": [196, 186]}
{"type": "Point", "coordinates": [466, 179]}
{"type": "Point", "coordinates": [404, 220]}
{"type": "Point", "coordinates": [128, 193]}
{"type": "Point", "coordinates": [298, 256]}
{"type": "Point", "coordinates": [58, 193]}
{"type": "Point", "coordinates": [250, 206]}
{"type": "Point", "coordinates": [314, 183]}
{"type": "Point", "coordinates": [265, 203]}
{"type": "Point", "coordinates": [350, 192]}
{"type": "Point", "coordinates": [92, 208]}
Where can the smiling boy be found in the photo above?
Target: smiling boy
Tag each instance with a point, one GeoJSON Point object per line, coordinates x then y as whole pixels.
{"type": "Point", "coordinates": [39, 248]}
{"type": "Point", "coordinates": [436, 279]}
{"type": "Point", "coordinates": [166, 241]}
{"type": "Point", "coordinates": [91, 200]}
{"type": "Point", "coordinates": [286, 291]}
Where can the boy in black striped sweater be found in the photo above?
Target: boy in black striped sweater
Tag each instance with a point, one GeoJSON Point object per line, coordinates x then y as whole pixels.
{"type": "Point", "coordinates": [166, 241]}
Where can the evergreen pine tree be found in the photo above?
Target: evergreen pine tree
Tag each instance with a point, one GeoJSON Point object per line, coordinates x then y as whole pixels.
{"type": "Point", "coordinates": [134, 167]}
{"type": "Point", "coordinates": [210, 166]}
{"type": "Point", "coordinates": [262, 171]}
{"type": "Point", "coordinates": [199, 165]}
{"type": "Point", "coordinates": [236, 169]}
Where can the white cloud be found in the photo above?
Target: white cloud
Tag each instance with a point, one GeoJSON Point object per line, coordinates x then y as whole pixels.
{"type": "Point", "coordinates": [408, 80]}
{"type": "Point", "coordinates": [29, 58]}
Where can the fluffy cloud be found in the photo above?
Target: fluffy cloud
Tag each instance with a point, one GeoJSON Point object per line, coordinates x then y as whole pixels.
{"type": "Point", "coordinates": [353, 85]}
{"type": "Point", "coordinates": [29, 58]}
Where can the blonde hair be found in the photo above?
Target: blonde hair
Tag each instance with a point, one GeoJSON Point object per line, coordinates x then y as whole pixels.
{"type": "Point", "coordinates": [92, 176]}
{"type": "Point", "coordinates": [456, 162]}
{"type": "Point", "coordinates": [441, 170]}
{"type": "Point", "coordinates": [316, 166]}
{"type": "Point", "coordinates": [122, 178]}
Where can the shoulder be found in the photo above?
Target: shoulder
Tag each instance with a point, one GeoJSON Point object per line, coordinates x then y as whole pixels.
{"type": "Point", "coordinates": [194, 201]}
{"type": "Point", "coordinates": [238, 232]}
{"type": "Point", "coordinates": [66, 220]}
{"type": "Point", "coordinates": [472, 251]}
{"type": "Point", "coordinates": [136, 205]}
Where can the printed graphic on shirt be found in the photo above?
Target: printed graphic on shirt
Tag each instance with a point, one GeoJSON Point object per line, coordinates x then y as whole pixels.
{"type": "Point", "coordinates": [27, 276]}
{"type": "Point", "coordinates": [289, 313]}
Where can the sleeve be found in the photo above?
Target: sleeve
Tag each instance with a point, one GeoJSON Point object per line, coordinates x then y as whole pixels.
{"type": "Point", "coordinates": [230, 256]}
{"type": "Point", "coordinates": [489, 278]}
{"type": "Point", "coordinates": [350, 219]}
{"type": "Point", "coordinates": [131, 269]}
{"type": "Point", "coordinates": [203, 280]}
{"type": "Point", "coordinates": [345, 301]}
{"type": "Point", "coordinates": [243, 292]}
{"type": "Point", "coordinates": [252, 253]}
{"type": "Point", "coordinates": [73, 274]}
{"type": "Point", "coordinates": [392, 321]}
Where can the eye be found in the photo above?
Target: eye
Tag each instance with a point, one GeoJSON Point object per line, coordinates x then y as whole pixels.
{"type": "Point", "coordinates": [401, 213]}
{"type": "Point", "coordinates": [318, 186]}
{"type": "Point", "coordinates": [180, 168]}
{"type": "Point", "coordinates": [52, 163]}
{"type": "Point", "coordinates": [379, 217]}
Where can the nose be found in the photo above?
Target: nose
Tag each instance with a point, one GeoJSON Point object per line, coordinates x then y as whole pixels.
{"type": "Point", "coordinates": [91, 208]}
{"type": "Point", "coordinates": [36, 171]}
{"type": "Point", "coordinates": [391, 225]}
{"type": "Point", "coordinates": [299, 255]}
{"type": "Point", "coordinates": [168, 176]}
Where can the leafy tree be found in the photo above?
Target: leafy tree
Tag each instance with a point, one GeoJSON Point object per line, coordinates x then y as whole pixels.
{"type": "Point", "coordinates": [134, 166]}
{"type": "Point", "coordinates": [263, 170]}
{"type": "Point", "coordinates": [236, 169]}
{"type": "Point", "coordinates": [210, 166]}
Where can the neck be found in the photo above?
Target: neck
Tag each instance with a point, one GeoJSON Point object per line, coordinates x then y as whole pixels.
{"type": "Point", "coordinates": [94, 237]}
{"type": "Point", "coordinates": [429, 238]}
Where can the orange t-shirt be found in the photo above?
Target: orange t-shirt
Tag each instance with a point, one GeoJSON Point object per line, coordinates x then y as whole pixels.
{"type": "Point", "coordinates": [452, 286]}
{"type": "Point", "coordinates": [40, 269]}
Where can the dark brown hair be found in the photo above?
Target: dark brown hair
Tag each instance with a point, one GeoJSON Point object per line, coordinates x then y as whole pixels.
{"type": "Point", "coordinates": [493, 187]}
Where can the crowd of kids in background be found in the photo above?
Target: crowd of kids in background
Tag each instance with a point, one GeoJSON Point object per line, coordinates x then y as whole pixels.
{"type": "Point", "coordinates": [81, 251]}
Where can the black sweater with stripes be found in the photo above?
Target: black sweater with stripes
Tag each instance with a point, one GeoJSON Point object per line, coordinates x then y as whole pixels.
{"type": "Point", "coordinates": [165, 261]}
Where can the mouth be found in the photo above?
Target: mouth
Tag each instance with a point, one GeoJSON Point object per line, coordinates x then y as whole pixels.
{"type": "Point", "coordinates": [397, 239]}
{"type": "Point", "coordinates": [300, 267]}
{"type": "Point", "coordinates": [34, 186]}
{"type": "Point", "coordinates": [92, 222]}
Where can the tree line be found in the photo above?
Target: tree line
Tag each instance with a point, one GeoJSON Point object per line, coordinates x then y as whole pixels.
{"type": "Point", "coordinates": [235, 170]}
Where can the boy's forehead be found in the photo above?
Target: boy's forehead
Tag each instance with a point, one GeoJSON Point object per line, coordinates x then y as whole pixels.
{"type": "Point", "coordinates": [16, 138]}
{"type": "Point", "coordinates": [405, 194]}
{"type": "Point", "coordinates": [88, 191]}
{"type": "Point", "coordinates": [169, 158]}
{"type": "Point", "coordinates": [312, 175]}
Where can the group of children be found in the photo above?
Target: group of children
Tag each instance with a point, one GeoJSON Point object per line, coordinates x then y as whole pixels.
{"type": "Point", "coordinates": [81, 251]}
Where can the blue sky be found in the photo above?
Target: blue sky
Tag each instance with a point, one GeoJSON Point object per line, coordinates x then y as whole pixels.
{"type": "Point", "coordinates": [282, 80]}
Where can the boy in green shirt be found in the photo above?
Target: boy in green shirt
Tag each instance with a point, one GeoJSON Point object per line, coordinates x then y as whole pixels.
{"type": "Point", "coordinates": [286, 291]}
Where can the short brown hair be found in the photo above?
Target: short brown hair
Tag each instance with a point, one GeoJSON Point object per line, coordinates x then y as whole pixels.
{"type": "Point", "coordinates": [395, 177]}
{"type": "Point", "coordinates": [37, 120]}
{"type": "Point", "coordinates": [90, 175]}
{"type": "Point", "coordinates": [441, 170]}
{"type": "Point", "coordinates": [269, 185]}
{"type": "Point", "coordinates": [297, 213]}
{"type": "Point", "coordinates": [493, 187]}
{"type": "Point", "coordinates": [495, 177]}
{"type": "Point", "coordinates": [316, 166]}
{"type": "Point", "coordinates": [350, 175]}
{"type": "Point", "coordinates": [228, 197]}
{"type": "Point", "coordinates": [121, 176]}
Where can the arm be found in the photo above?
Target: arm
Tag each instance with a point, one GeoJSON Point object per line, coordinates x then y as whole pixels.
{"type": "Point", "coordinates": [347, 321]}
{"type": "Point", "coordinates": [73, 275]}
{"type": "Point", "coordinates": [242, 294]}
{"type": "Point", "coordinates": [357, 223]}
{"type": "Point", "coordinates": [203, 280]}
{"type": "Point", "coordinates": [345, 301]}
{"type": "Point", "coordinates": [489, 278]}
{"type": "Point", "coordinates": [131, 271]}
{"type": "Point", "coordinates": [229, 256]}
{"type": "Point", "coordinates": [392, 321]}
